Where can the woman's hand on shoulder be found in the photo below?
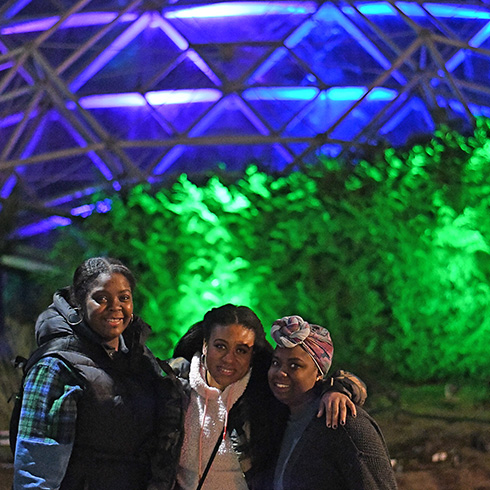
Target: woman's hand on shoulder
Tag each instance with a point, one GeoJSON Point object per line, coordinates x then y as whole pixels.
{"type": "Point", "coordinates": [180, 366]}
{"type": "Point", "coordinates": [334, 405]}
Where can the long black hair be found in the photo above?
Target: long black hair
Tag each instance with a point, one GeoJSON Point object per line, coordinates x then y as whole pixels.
{"type": "Point", "coordinates": [229, 314]}
{"type": "Point", "coordinates": [257, 406]}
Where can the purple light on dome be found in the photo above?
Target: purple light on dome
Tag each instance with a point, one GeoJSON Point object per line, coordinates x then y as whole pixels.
{"type": "Point", "coordinates": [250, 115]}
{"type": "Point", "coordinates": [11, 120]}
{"type": "Point", "coordinates": [97, 18]}
{"type": "Point", "coordinates": [457, 106]}
{"type": "Point", "coordinates": [8, 186]}
{"type": "Point", "coordinates": [209, 118]}
{"type": "Point", "coordinates": [83, 211]}
{"type": "Point", "coordinates": [106, 101]}
{"type": "Point", "coordinates": [16, 7]}
{"type": "Point", "coordinates": [30, 26]}
{"type": "Point", "coordinates": [161, 97]}
{"type": "Point", "coordinates": [103, 206]}
{"type": "Point", "coordinates": [111, 51]}
{"type": "Point", "coordinates": [42, 226]}
{"type": "Point", "coordinates": [22, 71]}
{"type": "Point", "coordinates": [75, 20]}
{"type": "Point", "coordinates": [87, 209]}
{"type": "Point", "coordinates": [299, 34]}
{"type": "Point", "coordinates": [189, 96]}
{"type": "Point", "coordinates": [70, 197]}
{"type": "Point", "coordinates": [411, 105]}
{"type": "Point", "coordinates": [96, 160]}
{"type": "Point", "coordinates": [168, 160]}
{"type": "Point", "coordinates": [12, 180]}
{"type": "Point", "coordinates": [6, 65]}
{"type": "Point", "coordinates": [284, 152]}
{"type": "Point", "coordinates": [184, 96]}
{"type": "Point", "coordinates": [33, 142]}
{"type": "Point", "coordinates": [367, 44]}
{"type": "Point", "coordinates": [270, 62]}
{"type": "Point", "coordinates": [202, 65]}
{"type": "Point", "coordinates": [239, 9]}
{"type": "Point", "coordinates": [479, 110]}
{"type": "Point", "coordinates": [477, 40]}
{"type": "Point", "coordinates": [229, 102]}
{"type": "Point", "coordinates": [172, 33]}
{"type": "Point", "coordinates": [181, 42]}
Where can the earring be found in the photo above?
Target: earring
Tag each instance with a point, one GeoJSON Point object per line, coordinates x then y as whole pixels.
{"type": "Point", "coordinates": [203, 355]}
{"type": "Point", "coordinates": [203, 361]}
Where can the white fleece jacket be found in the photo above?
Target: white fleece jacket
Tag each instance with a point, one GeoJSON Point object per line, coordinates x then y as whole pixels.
{"type": "Point", "coordinates": [206, 416]}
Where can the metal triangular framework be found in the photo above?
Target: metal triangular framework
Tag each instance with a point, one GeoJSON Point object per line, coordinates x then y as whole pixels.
{"type": "Point", "coordinates": [98, 96]}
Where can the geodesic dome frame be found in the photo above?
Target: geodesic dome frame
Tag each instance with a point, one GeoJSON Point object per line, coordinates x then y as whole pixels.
{"type": "Point", "coordinates": [104, 94]}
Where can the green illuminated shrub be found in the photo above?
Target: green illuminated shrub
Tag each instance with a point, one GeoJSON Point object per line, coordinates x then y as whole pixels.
{"type": "Point", "coordinates": [391, 255]}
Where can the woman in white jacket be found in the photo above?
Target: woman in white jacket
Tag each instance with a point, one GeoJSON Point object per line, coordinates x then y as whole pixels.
{"type": "Point", "coordinates": [233, 424]}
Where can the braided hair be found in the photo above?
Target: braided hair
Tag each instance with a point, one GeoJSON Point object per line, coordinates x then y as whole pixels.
{"type": "Point", "coordinates": [88, 272]}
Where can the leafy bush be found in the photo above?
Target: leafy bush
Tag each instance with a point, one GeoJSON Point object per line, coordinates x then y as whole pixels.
{"type": "Point", "coordinates": [392, 255]}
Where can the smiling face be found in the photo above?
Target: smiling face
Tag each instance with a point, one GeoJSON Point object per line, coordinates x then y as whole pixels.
{"type": "Point", "coordinates": [108, 307]}
{"type": "Point", "coordinates": [228, 354]}
{"type": "Point", "coordinates": [292, 376]}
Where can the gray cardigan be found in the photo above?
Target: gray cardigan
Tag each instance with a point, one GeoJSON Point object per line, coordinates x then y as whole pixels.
{"type": "Point", "coordinates": [352, 457]}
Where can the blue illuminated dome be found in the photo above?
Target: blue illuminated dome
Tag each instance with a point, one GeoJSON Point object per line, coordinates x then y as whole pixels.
{"type": "Point", "coordinates": [103, 94]}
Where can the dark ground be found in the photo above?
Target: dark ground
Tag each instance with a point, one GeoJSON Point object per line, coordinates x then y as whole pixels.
{"type": "Point", "coordinates": [438, 454]}
{"type": "Point", "coordinates": [438, 436]}
{"type": "Point", "coordinates": [436, 441]}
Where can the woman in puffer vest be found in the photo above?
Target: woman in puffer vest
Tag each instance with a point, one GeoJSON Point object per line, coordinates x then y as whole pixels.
{"type": "Point", "coordinates": [93, 401]}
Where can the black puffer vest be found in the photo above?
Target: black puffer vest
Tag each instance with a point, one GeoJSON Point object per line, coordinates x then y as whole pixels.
{"type": "Point", "coordinates": [117, 411]}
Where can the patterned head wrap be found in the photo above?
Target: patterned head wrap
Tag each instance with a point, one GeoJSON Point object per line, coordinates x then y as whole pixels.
{"type": "Point", "coordinates": [290, 331]}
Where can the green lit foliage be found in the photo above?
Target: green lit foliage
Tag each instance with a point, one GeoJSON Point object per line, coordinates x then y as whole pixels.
{"type": "Point", "coordinates": [392, 255]}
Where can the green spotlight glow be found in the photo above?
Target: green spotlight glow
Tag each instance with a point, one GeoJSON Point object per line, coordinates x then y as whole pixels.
{"type": "Point", "coordinates": [392, 255]}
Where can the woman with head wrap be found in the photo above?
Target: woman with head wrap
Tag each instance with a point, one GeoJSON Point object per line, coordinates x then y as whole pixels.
{"type": "Point", "coordinates": [233, 424]}
{"type": "Point", "coordinates": [355, 456]}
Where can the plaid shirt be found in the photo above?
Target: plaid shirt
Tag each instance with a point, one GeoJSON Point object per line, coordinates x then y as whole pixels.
{"type": "Point", "coordinates": [47, 425]}
{"type": "Point", "coordinates": [49, 403]}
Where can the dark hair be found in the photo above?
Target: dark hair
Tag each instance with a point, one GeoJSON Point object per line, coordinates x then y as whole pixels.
{"type": "Point", "coordinates": [191, 342]}
{"type": "Point", "coordinates": [257, 405]}
{"type": "Point", "coordinates": [88, 272]}
{"type": "Point", "coordinates": [230, 314]}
